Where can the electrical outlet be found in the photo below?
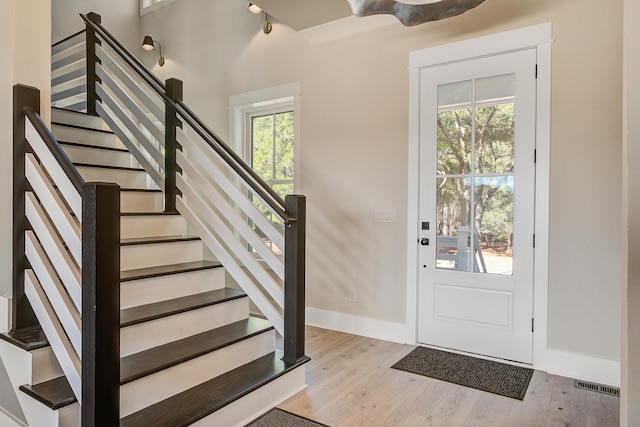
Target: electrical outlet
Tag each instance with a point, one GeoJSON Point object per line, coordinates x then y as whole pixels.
{"type": "Point", "coordinates": [352, 295]}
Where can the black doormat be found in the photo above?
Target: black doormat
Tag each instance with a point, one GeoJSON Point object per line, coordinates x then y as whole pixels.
{"type": "Point", "coordinates": [279, 418]}
{"type": "Point", "coordinates": [486, 375]}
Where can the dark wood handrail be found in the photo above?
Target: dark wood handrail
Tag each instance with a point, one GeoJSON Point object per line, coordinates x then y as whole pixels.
{"type": "Point", "coordinates": [257, 184]}
{"type": "Point", "coordinates": [68, 38]}
{"type": "Point", "coordinates": [54, 147]}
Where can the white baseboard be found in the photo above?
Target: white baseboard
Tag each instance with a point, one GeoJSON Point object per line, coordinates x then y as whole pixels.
{"type": "Point", "coordinates": [549, 360]}
{"type": "Point", "coordinates": [5, 313]}
{"type": "Point", "coordinates": [358, 325]}
{"type": "Point", "coordinates": [578, 366]}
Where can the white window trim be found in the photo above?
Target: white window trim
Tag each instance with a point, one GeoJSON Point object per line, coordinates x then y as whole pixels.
{"type": "Point", "coordinates": [240, 105]}
{"type": "Point", "coordinates": [155, 5]}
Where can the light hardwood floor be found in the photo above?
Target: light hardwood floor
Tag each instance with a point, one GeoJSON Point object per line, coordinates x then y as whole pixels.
{"type": "Point", "coordinates": [351, 384]}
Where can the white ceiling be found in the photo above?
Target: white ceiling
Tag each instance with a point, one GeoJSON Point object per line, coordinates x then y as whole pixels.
{"type": "Point", "coordinates": [303, 14]}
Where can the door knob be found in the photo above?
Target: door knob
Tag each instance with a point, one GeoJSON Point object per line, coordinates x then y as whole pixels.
{"type": "Point", "coordinates": [424, 241]}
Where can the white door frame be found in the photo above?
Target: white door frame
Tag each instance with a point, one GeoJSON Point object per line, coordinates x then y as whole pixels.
{"type": "Point", "coordinates": [538, 37]}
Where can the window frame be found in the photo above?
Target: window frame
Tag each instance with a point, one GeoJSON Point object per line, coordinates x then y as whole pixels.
{"type": "Point", "coordinates": [279, 99]}
{"type": "Point", "coordinates": [155, 5]}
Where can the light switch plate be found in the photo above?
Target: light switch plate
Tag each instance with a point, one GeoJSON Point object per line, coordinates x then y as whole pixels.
{"type": "Point", "coordinates": [385, 215]}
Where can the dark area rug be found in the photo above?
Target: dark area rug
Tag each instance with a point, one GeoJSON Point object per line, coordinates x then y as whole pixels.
{"type": "Point", "coordinates": [279, 418]}
{"type": "Point", "coordinates": [486, 375]}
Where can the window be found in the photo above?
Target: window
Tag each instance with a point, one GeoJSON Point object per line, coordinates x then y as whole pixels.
{"type": "Point", "coordinates": [271, 147]}
{"type": "Point", "coordinates": [265, 126]}
{"type": "Point", "coordinates": [265, 131]}
{"type": "Point", "coordinates": [147, 6]}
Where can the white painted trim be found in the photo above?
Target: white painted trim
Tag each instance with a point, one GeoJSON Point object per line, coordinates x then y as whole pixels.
{"type": "Point", "coordinates": [346, 27]}
{"type": "Point", "coordinates": [5, 313]}
{"type": "Point", "coordinates": [522, 38]}
{"type": "Point", "coordinates": [8, 420]}
{"type": "Point", "coordinates": [579, 366]}
{"type": "Point", "coordinates": [539, 37]}
{"type": "Point", "coordinates": [274, 97]}
{"type": "Point", "coordinates": [156, 4]}
{"type": "Point", "coordinates": [358, 325]}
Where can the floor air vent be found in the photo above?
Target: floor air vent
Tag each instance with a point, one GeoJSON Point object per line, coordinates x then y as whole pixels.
{"type": "Point", "coordinates": [600, 388]}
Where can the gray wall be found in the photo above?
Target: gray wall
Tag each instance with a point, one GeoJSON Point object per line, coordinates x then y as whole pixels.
{"type": "Point", "coordinates": [354, 135]}
{"type": "Point", "coordinates": [25, 41]}
{"type": "Point", "coordinates": [120, 17]}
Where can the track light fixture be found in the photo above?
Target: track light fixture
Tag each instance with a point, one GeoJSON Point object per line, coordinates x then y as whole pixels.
{"type": "Point", "coordinates": [149, 44]}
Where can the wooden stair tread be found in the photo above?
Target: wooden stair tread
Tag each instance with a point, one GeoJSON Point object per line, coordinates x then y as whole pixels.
{"type": "Point", "coordinates": [196, 403]}
{"type": "Point", "coordinates": [148, 312]}
{"type": "Point", "coordinates": [119, 168]}
{"type": "Point", "coordinates": [55, 393]}
{"type": "Point", "coordinates": [165, 270]}
{"type": "Point", "coordinates": [141, 190]}
{"type": "Point", "coordinates": [150, 213]}
{"type": "Point", "coordinates": [81, 127]}
{"type": "Point", "coordinates": [27, 339]}
{"type": "Point", "coordinates": [160, 239]}
{"type": "Point", "coordinates": [162, 357]}
{"type": "Point", "coordinates": [96, 147]}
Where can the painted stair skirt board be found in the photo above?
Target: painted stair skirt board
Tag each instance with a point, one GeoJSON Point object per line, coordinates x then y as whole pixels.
{"type": "Point", "coordinates": [280, 418]}
{"type": "Point", "coordinates": [486, 375]}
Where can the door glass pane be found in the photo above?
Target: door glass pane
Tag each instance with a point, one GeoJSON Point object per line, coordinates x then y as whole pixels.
{"type": "Point", "coordinates": [454, 128]}
{"type": "Point", "coordinates": [494, 124]}
{"type": "Point", "coordinates": [494, 224]}
{"type": "Point", "coordinates": [453, 204]}
{"type": "Point", "coordinates": [476, 126]}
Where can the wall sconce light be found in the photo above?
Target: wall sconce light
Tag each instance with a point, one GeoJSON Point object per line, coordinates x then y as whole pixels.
{"type": "Point", "coordinates": [255, 9]}
{"type": "Point", "coordinates": [149, 44]}
{"type": "Point", "coordinates": [267, 27]}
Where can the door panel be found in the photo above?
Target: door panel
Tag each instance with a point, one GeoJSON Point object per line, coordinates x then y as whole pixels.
{"type": "Point", "coordinates": [477, 175]}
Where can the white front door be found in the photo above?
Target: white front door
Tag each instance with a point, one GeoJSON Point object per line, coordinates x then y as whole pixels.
{"type": "Point", "coordinates": [477, 182]}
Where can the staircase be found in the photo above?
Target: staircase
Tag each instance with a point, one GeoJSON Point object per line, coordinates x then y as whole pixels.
{"type": "Point", "coordinates": [191, 353]}
{"type": "Point", "coordinates": [190, 350]}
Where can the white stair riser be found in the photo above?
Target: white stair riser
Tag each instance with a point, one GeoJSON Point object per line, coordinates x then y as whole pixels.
{"type": "Point", "coordinates": [258, 402]}
{"type": "Point", "coordinates": [157, 254]}
{"type": "Point", "coordinates": [124, 178]}
{"type": "Point", "coordinates": [152, 225]}
{"type": "Point", "coordinates": [143, 336]}
{"type": "Point", "coordinates": [24, 367]}
{"type": "Point", "coordinates": [85, 136]}
{"type": "Point", "coordinates": [29, 367]}
{"type": "Point", "coordinates": [76, 119]}
{"type": "Point", "coordinates": [142, 201]}
{"type": "Point", "coordinates": [97, 156]}
{"type": "Point", "coordinates": [164, 384]}
{"type": "Point", "coordinates": [40, 415]}
{"type": "Point", "coordinates": [44, 365]}
{"type": "Point", "coordinates": [155, 289]}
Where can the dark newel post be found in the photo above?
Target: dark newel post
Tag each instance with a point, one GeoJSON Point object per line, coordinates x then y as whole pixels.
{"type": "Point", "coordinates": [92, 78]}
{"type": "Point", "coordinates": [294, 279]}
{"type": "Point", "coordinates": [22, 313]}
{"type": "Point", "coordinates": [174, 91]}
{"type": "Point", "coordinates": [100, 304]}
